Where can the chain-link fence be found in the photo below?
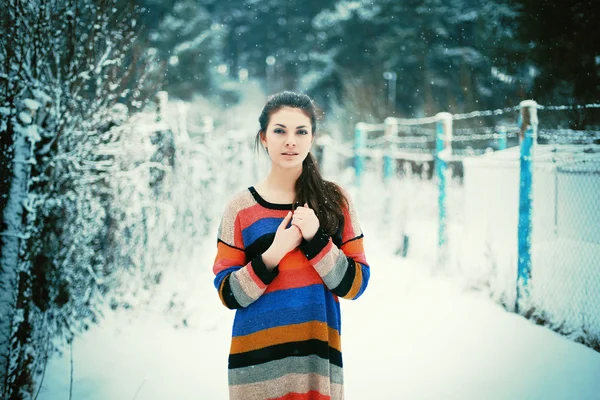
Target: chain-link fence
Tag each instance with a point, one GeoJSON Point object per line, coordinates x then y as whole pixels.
{"type": "Point", "coordinates": [518, 218]}
{"type": "Point", "coordinates": [565, 276]}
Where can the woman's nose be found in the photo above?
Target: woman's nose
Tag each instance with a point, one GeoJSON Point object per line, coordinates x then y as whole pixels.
{"type": "Point", "coordinates": [289, 142]}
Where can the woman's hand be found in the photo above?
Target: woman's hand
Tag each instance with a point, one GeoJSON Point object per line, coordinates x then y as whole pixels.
{"type": "Point", "coordinates": [306, 220]}
{"type": "Point", "coordinates": [286, 240]}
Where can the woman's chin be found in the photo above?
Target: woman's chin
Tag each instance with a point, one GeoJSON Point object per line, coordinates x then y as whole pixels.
{"type": "Point", "coordinates": [289, 164]}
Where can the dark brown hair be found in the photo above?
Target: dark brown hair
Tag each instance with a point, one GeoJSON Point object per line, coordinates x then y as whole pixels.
{"type": "Point", "coordinates": [324, 197]}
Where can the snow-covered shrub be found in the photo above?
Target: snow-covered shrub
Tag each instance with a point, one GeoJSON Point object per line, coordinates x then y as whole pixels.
{"type": "Point", "coordinates": [64, 66]}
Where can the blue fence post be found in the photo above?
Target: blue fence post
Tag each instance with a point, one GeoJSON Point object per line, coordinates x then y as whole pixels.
{"type": "Point", "coordinates": [528, 124]}
{"type": "Point", "coordinates": [390, 130]}
{"type": "Point", "coordinates": [503, 138]}
{"type": "Point", "coordinates": [443, 148]}
{"type": "Point", "coordinates": [359, 139]}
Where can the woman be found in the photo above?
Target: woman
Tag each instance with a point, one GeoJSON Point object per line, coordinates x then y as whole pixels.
{"type": "Point", "coordinates": [287, 248]}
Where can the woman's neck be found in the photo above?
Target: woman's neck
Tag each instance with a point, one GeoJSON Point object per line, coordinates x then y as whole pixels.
{"type": "Point", "coordinates": [282, 180]}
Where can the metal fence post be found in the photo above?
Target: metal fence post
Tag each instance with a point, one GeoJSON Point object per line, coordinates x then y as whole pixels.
{"type": "Point", "coordinates": [503, 139]}
{"type": "Point", "coordinates": [443, 148]}
{"type": "Point", "coordinates": [527, 138]}
{"type": "Point", "coordinates": [359, 136]}
{"type": "Point", "coordinates": [391, 130]}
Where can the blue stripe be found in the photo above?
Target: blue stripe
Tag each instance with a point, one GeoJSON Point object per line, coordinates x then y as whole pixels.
{"type": "Point", "coordinates": [259, 228]}
{"type": "Point", "coordinates": [291, 306]}
{"type": "Point", "coordinates": [289, 298]}
{"type": "Point", "coordinates": [366, 275]}
{"type": "Point", "coordinates": [223, 274]}
{"type": "Point", "coordinates": [286, 316]}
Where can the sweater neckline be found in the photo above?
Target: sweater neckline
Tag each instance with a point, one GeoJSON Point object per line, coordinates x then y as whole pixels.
{"type": "Point", "coordinates": [266, 204]}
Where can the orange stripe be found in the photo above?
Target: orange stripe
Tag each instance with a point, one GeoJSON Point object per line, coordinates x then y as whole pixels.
{"type": "Point", "coordinates": [355, 250]}
{"type": "Point", "coordinates": [224, 251]}
{"type": "Point", "coordinates": [354, 246]}
{"type": "Point", "coordinates": [295, 259]}
{"type": "Point", "coordinates": [285, 334]}
{"type": "Point", "coordinates": [312, 395]}
{"type": "Point", "coordinates": [357, 282]}
{"type": "Point", "coordinates": [221, 293]}
{"type": "Point", "coordinates": [227, 257]}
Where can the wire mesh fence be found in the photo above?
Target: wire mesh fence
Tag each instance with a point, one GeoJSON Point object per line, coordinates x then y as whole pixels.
{"type": "Point", "coordinates": [493, 235]}
{"type": "Point", "coordinates": [565, 285]}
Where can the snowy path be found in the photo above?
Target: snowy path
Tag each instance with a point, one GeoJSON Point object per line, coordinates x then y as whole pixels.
{"type": "Point", "coordinates": [408, 337]}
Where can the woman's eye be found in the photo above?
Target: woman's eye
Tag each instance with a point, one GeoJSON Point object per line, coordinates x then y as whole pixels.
{"type": "Point", "coordinates": [278, 131]}
{"type": "Point", "coordinates": [302, 132]}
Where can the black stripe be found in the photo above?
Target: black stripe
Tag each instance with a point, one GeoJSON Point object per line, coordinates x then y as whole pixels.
{"type": "Point", "coordinates": [314, 247]}
{"type": "Point", "coordinates": [356, 238]}
{"type": "Point", "coordinates": [346, 283]}
{"type": "Point", "coordinates": [259, 246]}
{"type": "Point", "coordinates": [227, 295]}
{"type": "Point", "coordinates": [281, 351]}
{"type": "Point", "coordinates": [262, 271]}
{"type": "Point", "coordinates": [266, 204]}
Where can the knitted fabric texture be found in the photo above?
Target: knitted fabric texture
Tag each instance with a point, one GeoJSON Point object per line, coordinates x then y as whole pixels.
{"type": "Point", "coordinates": [287, 327]}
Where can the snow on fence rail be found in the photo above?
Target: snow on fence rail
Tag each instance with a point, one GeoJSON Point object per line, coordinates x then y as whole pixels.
{"type": "Point", "coordinates": [553, 195]}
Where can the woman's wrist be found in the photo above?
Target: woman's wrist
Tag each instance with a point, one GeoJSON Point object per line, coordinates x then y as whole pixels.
{"type": "Point", "coordinates": [270, 258]}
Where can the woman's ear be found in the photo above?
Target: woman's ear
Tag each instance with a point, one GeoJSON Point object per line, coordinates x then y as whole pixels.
{"type": "Point", "coordinates": [262, 139]}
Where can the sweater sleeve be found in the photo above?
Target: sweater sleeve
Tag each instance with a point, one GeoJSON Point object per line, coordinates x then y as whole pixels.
{"type": "Point", "coordinates": [238, 281]}
{"type": "Point", "coordinates": [344, 269]}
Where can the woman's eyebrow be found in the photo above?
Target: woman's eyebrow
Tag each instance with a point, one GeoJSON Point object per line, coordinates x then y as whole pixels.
{"type": "Point", "coordinates": [301, 126]}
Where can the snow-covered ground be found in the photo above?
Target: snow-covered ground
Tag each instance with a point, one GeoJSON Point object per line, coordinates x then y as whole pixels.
{"type": "Point", "coordinates": [408, 337]}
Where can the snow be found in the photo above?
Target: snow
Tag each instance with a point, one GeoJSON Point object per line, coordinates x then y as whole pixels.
{"type": "Point", "coordinates": [408, 337]}
{"type": "Point", "coordinates": [42, 96]}
{"type": "Point", "coordinates": [565, 230]}
{"type": "Point", "coordinates": [25, 117]}
{"type": "Point", "coordinates": [31, 104]}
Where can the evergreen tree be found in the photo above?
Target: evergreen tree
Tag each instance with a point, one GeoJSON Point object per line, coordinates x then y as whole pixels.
{"type": "Point", "coordinates": [189, 42]}
{"type": "Point", "coordinates": [279, 30]}
{"type": "Point", "coordinates": [561, 54]}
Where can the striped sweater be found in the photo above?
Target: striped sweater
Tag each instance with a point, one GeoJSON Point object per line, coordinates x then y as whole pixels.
{"type": "Point", "coordinates": [286, 331]}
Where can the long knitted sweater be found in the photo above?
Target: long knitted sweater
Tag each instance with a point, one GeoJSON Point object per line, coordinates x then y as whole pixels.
{"type": "Point", "coordinates": [286, 332]}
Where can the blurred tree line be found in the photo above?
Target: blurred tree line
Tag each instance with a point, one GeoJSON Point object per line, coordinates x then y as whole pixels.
{"type": "Point", "coordinates": [453, 55]}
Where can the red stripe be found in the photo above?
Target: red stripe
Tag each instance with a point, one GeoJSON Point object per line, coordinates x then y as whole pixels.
{"type": "Point", "coordinates": [312, 395]}
{"type": "Point", "coordinates": [257, 212]}
{"type": "Point", "coordinates": [257, 281]}
{"type": "Point", "coordinates": [328, 247]}
{"type": "Point", "coordinates": [294, 278]}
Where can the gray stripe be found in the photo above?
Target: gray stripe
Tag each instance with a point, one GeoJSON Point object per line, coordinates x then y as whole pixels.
{"type": "Point", "coordinates": [335, 276]}
{"type": "Point", "coordinates": [289, 365]}
{"type": "Point", "coordinates": [238, 292]}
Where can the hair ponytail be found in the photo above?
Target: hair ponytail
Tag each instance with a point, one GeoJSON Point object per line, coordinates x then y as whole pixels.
{"type": "Point", "coordinates": [324, 197]}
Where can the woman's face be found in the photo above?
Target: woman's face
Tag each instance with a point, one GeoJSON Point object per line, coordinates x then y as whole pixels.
{"type": "Point", "coordinates": [288, 137]}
